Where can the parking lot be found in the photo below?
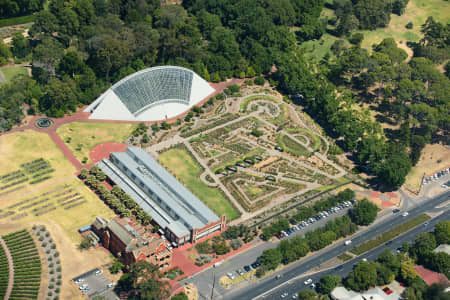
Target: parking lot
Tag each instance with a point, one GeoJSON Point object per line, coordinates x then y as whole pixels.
{"type": "Point", "coordinates": [95, 283]}
{"type": "Point", "coordinates": [301, 228]}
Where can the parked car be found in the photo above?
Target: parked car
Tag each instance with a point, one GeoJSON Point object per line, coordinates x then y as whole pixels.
{"type": "Point", "coordinates": [308, 281]}
{"type": "Point", "coordinates": [348, 242]}
{"type": "Point", "coordinates": [98, 272]}
{"type": "Point", "coordinates": [247, 268]}
{"type": "Point", "coordinates": [405, 214]}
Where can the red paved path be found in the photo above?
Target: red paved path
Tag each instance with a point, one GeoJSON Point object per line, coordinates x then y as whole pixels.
{"type": "Point", "coordinates": [103, 150]}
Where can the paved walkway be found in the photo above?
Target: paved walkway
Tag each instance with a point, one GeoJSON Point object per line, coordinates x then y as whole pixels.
{"type": "Point", "coordinates": [11, 269]}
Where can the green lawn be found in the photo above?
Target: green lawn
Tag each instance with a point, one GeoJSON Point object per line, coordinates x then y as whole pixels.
{"type": "Point", "coordinates": [291, 146]}
{"type": "Point", "coordinates": [81, 137]}
{"type": "Point", "coordinates": [417, 11]}
{"type": "Point", "coordinates": [246, 101]}
{"type": "Point", "coordinates": [10, 72]}
{"type": "Point", "coordinates": [184, 167]}
{"type": "Point", "coordinates": [389, 235]}
{"type": "Point", "coordinates": [314, 139]}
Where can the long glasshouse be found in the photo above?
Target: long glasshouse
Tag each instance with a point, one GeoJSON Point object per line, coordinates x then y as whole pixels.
{"type": "Point", "coordinates": [153, 94]}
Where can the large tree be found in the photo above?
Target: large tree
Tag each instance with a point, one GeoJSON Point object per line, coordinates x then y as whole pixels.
{"type": "Point", "coordinates": [364, 212]}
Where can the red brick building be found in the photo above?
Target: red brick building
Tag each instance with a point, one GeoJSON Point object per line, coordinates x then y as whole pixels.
{"type": "Point", "coordinates": [131, 242]}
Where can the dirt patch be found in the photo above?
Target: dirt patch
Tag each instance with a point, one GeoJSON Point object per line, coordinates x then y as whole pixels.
{"type": "Point", "coordinates": [191, 291]}
{"type": "Point", "coordinates": [434, 158]}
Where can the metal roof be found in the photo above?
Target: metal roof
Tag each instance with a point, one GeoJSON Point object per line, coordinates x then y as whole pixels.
{"type": "Point", "coordinates": [178, 209]}
{"type": "Point", "coordinates": [120, 232]}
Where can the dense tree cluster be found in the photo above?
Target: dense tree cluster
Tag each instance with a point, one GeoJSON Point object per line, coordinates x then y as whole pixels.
{"type": "Point", "coordinates": [291, 250]}
{"type": "Point", "coordinates": [80, 47]}
{"type": "Point", "coordinates": [364, 212]}
{"type": "Point", "coordinates": [414, 95]}
{"type": "Point", "coordinates": [14, 8]}
{"type": "Point", "coordinates": [365, 14]}
{"type": "Point", "coordinates": [143, 282]}
{"type": "Point", "coordinates": [425, 243]}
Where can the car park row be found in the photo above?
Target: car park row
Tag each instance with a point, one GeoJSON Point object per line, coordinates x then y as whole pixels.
{"type": "Point", "coordinates": [437, 176]}
{"type": "Point", "coordinates": [322, 215]}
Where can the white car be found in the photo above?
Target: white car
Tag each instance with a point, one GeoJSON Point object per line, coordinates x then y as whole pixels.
{"type": "Point", "coordinates": [405, 214]}
{"type": "Point", "coordinates": [110, 285]}
{"type": "Point", "coordinates": [348, 242]}
{"type": "Point", "coordinates": [313, 286]}
{"type": "Point", "coordinates": [295, 296]}
{"type": "Point", "coordinates": [98, 272]}
{"type": "Point", "coordinates": [284, 295]}
{"type": "Point", "coordinates": [231, 276]}
{"type": "Point", "coordinates": [308, 281]}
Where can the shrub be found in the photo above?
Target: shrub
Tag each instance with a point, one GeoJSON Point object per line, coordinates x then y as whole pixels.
{"type": "Point", "coordinates": [236, 244]}
{"type": "Point", "coordinates": [356, 38]}
{"type": "Point", "coordinates": [410, 25]}
{"type": "Point", "coordinates": [204, 247]}
{"type": "Point", "coordinates": [259, 80]}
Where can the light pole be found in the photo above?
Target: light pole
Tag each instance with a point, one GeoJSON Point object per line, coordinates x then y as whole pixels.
{"type": "Point", "coordinates": [214, 282]}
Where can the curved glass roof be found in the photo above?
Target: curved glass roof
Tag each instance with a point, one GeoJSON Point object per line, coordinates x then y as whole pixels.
{"type": "Point", "coordinates": [153, 86]}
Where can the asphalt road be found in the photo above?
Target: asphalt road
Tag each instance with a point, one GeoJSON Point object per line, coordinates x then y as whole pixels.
{"type": "Point", "coordinates": [255, 289]}
{"type": "Point", "coordinates": [204, 280]}
{"type": "Point", "coordinates": [295, 285]}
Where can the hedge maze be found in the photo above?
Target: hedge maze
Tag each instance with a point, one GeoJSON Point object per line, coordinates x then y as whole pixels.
{"type": "Point", "coordinates": [4, 273]}
{"type": "Point", "coordinates": [27, 265]}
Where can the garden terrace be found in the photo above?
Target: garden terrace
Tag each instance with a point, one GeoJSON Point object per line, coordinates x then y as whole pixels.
{"type": "Point", "coordinates": [254, 192]}
{"type": "Point", "coordinates": [27, 265]}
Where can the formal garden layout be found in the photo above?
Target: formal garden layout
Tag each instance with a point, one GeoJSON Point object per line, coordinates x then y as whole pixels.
{"type": "Point", "coordinates": [247, 151]}
{"type": "Point", "coordinates": [26, 263]}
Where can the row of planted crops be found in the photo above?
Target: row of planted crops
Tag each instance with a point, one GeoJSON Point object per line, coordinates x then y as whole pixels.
{"type": "Point", "coordinates": [4, 273]}
{"type": "Point", "coordinates": [27, 265]}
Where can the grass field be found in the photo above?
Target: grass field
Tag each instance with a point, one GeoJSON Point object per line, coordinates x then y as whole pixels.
{"type": "Point", "coordinates": [417, 11]}
{"type": "Point", "coordinates": [85, 135]}
{"type": "Point", "coordinates": [17, 20]}
{"type": "Point", "coordinates": [180, 163]}
{"type": "Point", "coordinates": [389, 235]}
{"type": "Point", "coordinates": [21, 147]}
{"type": "Point", "coordinates": [10, 72]}
{"type": "Point", "coordinates": [345, 257]}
